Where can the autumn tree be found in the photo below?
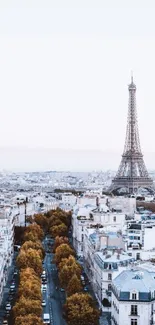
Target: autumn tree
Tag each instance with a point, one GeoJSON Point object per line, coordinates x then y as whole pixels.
{"type": "Point", "coordinates": [74, 285]}
{"type": "Point", "coordinates": [30, 258]}
{"type": "Point", "coordinates": [29, 273]}
{"type": "Point", "coordinates": [41, 220]}
{"type": "Point", "coordinates": [30, 236]}
{"type": "Point", "coordinates": [67, 272]}
{"type": "Point", "coordinates": [69, 261]}
{"type": "Point", "coordinates": [54, 221]}
{"type": "Point", "coordinates": [30, 290]}
{"type": "Point", "coordinates": [59, 241]}
{"type": "Point", "coordinates": [63, 251]}
{"type": "Point", "coordinates": [28, 320]}
{"type": "Point", "coordinates": [30, 285]}
{"type": "Point", "coordinates": [35, 230]}
{"type": "Point", "coordinates": [59, 230]}
{"type": "Point", "coordinates": [37, 245]}
{"type": "Point", "coordinates": [65, 217]}
{"type": "Point", "coordinates": [26, 306]}
{"type": "Point", "coordinates": [80, 310]}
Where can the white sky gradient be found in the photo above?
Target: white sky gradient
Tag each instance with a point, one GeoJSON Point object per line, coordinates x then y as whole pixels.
{"type": "Point", "coordinates": [64, 70]}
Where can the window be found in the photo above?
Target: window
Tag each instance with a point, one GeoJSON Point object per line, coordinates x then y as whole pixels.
{"type": "Point", "coordinates": [82, 238]}
{"type": "Point", "coordinates": [134, 296]}
{"type": "Point", "coordinates": [109, 276]}
{"type": "Point", "coordinates": [134, 310]}
{"type": "Point", "coordinates": [114, 219]}
{"type": "Point", "coordinates": [109, 266]}
{"type": "Point", "coordinates": [134, 322]}
{"type": "Point", "coordinates": [109, 286]}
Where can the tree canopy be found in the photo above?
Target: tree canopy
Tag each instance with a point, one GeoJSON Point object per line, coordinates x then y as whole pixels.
{"type": "Point", "coordinates": [28, 320]}
{"type": "Point", "coordinates": [74, 285]}
{"type": "Point", "coordinates": [80, 310]}
{"type": "Point", "coordinates": [26, 306]}
{"type": "Point", "coordinates": [63, 251]}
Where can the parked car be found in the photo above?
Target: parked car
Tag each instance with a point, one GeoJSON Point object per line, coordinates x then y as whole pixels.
{"type": "Point", "coordinates": [8, 306]}
{"type": "Point", "coordinates": [85, 289]}
{"type": "Point", "coordinates": [43, 303]}
{"type": "Point", "coordinates": [43, 287]}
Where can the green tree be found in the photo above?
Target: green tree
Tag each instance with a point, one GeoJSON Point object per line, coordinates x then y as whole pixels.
{"type": "Point", "coordinates": [74, 285]}
{"type": "Point", "coordinates": [80, 310]}
{"type": "Point", "coordinates": [63, 251]}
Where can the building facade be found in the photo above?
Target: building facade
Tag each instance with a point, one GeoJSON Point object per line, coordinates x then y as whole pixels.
{"type": "Point", "coordinates": [133, 298]}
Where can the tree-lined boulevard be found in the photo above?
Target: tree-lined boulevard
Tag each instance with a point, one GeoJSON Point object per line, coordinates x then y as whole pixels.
{"type": "Point", "coordinates": [50, 276]}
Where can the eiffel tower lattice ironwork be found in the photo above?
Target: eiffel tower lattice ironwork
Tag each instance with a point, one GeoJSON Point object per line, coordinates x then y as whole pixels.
{"type": "Point", "coordinates": [132, 172]}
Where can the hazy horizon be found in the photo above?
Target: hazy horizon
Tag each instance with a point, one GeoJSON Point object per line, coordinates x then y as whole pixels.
{"type": "Point", "coordinates": [41, 159]}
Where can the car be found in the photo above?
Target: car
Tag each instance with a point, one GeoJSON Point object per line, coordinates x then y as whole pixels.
{"type": "Point", "coordinates": [12, 286]}
{"type": "Point", "coordinates": [44, 281]}
{"type": "Point", "coordinates": [85, 289]}
{"type": "Point", "coordinates": [44, 287]}
{"type": "Point", "coordinates": [8, 306]}
{"type": "Point", "coordinates": [15, 272]}
{"type": "Point", "coordinates": [62, 290]}
{"type": "Point", "coordinates": [5, 322]}
{"type": "Point", "coordinates": [43, 303]}
{"type": "Point", "coordinates": [7, 313]}
{"type": "Point", "coordinates": [10, 298]}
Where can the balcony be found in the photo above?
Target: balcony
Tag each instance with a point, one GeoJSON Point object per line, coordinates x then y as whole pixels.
{"type": "Point", "coordinates": [135, 314]}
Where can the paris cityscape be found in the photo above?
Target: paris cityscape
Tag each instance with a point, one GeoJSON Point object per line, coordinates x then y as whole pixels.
{"type": "Point", "coordinates": [77, 173]}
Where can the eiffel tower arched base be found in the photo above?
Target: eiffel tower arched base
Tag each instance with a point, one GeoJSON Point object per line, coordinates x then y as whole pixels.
{"type": "Point", "coordinates": [131, 184]}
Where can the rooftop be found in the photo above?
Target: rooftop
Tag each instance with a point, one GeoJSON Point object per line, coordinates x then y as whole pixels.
{"type": "Point", "coordinates": [141, 281]}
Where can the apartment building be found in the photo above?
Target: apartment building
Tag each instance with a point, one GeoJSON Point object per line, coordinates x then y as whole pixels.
{"type": "Point", "coordinates": [133, 298]}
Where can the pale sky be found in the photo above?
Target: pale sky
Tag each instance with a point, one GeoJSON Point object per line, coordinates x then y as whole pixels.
{"type": "Point", "coordinates": [64, 70]}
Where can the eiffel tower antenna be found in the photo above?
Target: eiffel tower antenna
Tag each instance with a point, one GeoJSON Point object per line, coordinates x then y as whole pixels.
{"type": "Point", "coordinates": [131, 76]}
{"type": "Point", "coordinates": [132, 173]}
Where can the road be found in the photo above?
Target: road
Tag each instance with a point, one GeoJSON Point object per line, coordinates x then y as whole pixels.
{"type": "Point", "coordinates": [6, 293]}
{"type": "Point", "coordinates": [53, 296]}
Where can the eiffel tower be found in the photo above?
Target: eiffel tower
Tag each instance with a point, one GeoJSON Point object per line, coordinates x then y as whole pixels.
{"type": "Point", "coordinates": [132, 173]}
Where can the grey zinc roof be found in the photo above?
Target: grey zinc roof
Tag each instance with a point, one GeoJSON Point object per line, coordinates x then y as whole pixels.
{"type": "Point", "coordinates": [140, 280]}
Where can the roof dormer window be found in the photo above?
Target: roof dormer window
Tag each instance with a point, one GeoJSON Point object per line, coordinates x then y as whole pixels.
{"type": "Point", "coordinates": [134, 295]}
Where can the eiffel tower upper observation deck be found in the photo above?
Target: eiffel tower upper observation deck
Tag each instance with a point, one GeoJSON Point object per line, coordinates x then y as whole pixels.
{"type": "Point", "coordinates": [132, 173]}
